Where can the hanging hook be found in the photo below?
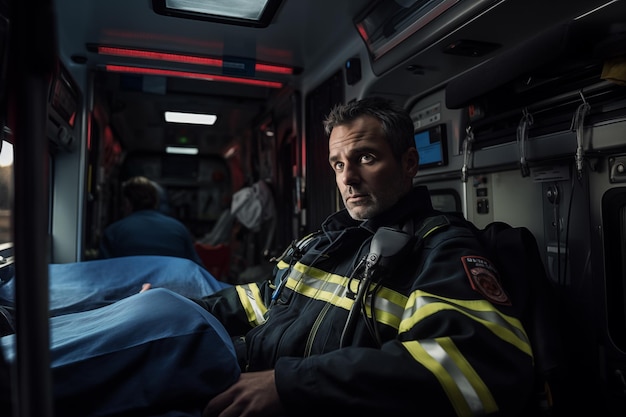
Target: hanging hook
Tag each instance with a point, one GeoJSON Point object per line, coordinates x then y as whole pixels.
{"type": "Point", "coordinates": [522, 137]}
{"type": "Point", "coordinates": [578, 125]}
{"type": "Point", "coordinates": [467, 152]}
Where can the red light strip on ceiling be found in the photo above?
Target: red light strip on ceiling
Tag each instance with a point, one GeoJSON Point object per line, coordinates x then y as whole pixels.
{"type": "Point", "coordinates": [195, 75]}
{"type": "Point", "coordinates": [187, 59]}
{"type": "Point", "coordinates": [275, 69]}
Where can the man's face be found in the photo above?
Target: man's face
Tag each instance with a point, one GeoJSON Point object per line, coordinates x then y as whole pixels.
{"type": "Point", "coordinates": [368, 176]}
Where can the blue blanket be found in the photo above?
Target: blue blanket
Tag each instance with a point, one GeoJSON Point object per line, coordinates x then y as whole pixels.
{"type": "Point", "coordinates": [87, 285]}
{"type": "Point", "coordinates": [151, 354]}
{"type": "Point", "coordinates": [115, 351]}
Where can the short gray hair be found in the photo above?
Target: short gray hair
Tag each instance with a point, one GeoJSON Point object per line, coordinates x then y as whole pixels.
{"type": "Point", "coordinates": [395, 121]}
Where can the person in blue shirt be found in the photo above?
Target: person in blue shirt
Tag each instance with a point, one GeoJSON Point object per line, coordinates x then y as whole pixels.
{"type": "Point", "coordinates": [145, 230]}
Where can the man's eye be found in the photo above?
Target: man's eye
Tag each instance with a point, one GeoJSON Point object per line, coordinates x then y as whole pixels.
{"type": "Point", "coordinates": [338, 166]}
{"type": "Point", "coordinates": [366, 159]}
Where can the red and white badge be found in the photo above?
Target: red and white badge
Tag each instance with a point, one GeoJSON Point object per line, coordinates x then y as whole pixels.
{"type": "Point", "coordinates": [483, 278]}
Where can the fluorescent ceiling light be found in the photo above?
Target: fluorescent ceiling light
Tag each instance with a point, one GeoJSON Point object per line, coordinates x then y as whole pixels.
{"type": "Point", "coordinates": [181, 150]}
{"type": "Point", "coordinates": [257, 13]}
{"type": "Point", "coordinates": [190, 118]}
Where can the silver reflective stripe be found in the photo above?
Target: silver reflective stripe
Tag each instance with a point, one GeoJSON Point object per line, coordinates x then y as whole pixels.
{"type": "Point", "coordinates": [320, 285]}
{"type": "Point", "coordinates": [387, 306]}
{"type": "Point", "coordinates": [259, 314]}
{"type": "Point", "coordinates": [480, 310]}
{"type": "Point", "coordinates": [465, 387]}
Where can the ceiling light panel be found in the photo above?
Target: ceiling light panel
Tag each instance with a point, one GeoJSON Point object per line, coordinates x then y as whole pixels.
{"type": "Point", "coordinates": [178, 150]}
{"type": "Point", "coordinates": [190, 118]}
{"type": "Point", "coordinates": [256, 13]}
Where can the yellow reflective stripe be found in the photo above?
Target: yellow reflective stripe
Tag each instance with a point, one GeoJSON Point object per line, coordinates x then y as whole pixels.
{"type": "Point", "coordinates": [431, 231]}
{"type": "Point", "coordinates": [393, 297]}
{"type": "Point", "coordinates": [320, 285]}
{"type": "Point", "coordinates": [389, 307]}
{"type": "Point", "coordinates": [332, 288]}
{"type": "Point", "coordinates": [485, 400]}
{"type": "Point", "coordinates": [422, 305]}
{"type": "Point", "coordinates": [466, 391]}
{"type": "Point", "coordinates": [252, 301]}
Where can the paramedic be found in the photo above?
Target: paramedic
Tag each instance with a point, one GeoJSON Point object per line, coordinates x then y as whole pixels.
{"type": "Point", "coordinates": [145, 230]}
{"type": "Point", "coordinates": [361, 320]}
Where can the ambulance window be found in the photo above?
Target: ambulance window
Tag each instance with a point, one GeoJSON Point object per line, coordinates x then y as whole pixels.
{"type": "Point", "coordinates": [447, 200]}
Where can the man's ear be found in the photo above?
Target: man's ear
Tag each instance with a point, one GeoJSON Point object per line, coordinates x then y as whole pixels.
{"type": "Point", "coordinates": [410, 162]}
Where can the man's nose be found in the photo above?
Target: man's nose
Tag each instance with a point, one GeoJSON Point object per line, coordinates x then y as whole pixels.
{"type": "Point", "coordinates": [350, 175]}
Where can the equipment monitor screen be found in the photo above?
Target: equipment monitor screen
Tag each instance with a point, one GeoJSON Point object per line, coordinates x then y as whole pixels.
{"type": "Point", "coordinates": [432, 146]}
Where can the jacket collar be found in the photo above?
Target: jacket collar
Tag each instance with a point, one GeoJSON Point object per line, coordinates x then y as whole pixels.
{"type": "Point", "coordinates": [416, 203]}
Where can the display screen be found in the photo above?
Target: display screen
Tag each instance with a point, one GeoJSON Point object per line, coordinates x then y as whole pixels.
{"type": "Point", "coordinates": [432, 146]}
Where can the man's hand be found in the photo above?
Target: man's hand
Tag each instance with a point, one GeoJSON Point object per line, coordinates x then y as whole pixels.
{"type": "Point", "coordinates": [254, 394]}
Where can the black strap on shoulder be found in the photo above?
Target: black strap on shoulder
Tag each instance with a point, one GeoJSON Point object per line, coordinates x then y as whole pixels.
{"type": "Point", "coordinates": [296, 248]}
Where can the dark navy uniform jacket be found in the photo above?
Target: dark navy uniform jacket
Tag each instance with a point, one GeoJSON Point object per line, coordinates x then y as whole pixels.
{"type": "Point", "coordinates": [436, 334]}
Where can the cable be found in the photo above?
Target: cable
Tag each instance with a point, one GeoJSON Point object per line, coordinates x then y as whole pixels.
{"type": "Point", "coordinates": [567, 229]}
{"type": "Point", "coordinates": [358, 302]}
{"type": "Point", "coordinates": [374, 323]}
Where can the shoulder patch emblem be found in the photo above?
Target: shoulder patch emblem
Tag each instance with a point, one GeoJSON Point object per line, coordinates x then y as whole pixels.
{"type": "Point", "coordinates": [483, 278]}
